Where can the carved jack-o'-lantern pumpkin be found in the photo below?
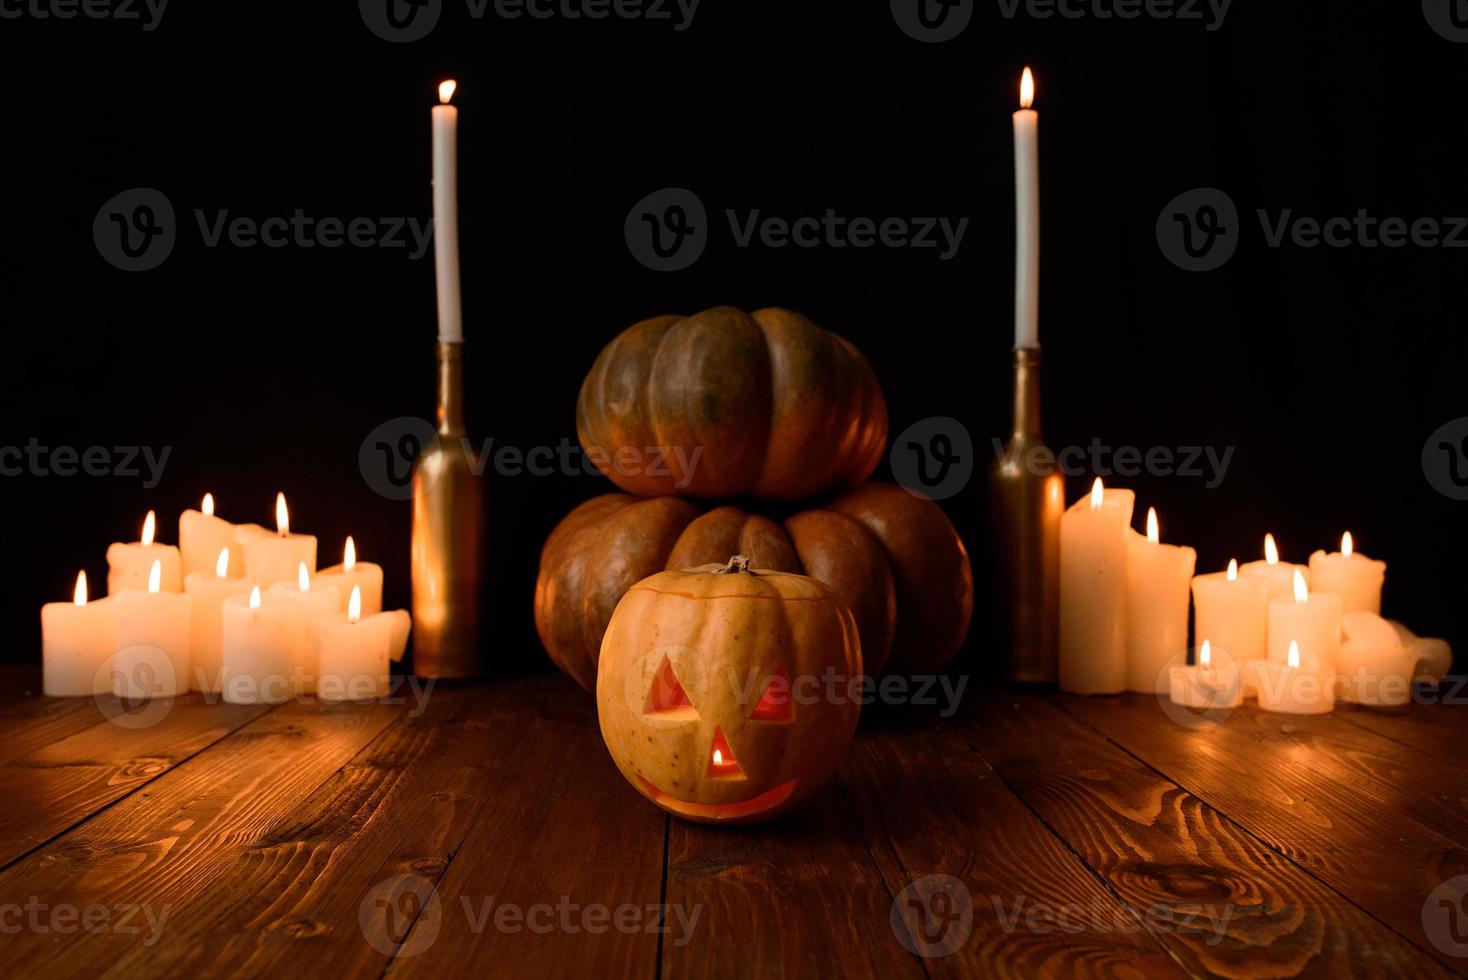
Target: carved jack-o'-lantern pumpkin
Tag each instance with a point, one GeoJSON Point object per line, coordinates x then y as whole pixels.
{"type": "Point", "coordinates": [724, 691]}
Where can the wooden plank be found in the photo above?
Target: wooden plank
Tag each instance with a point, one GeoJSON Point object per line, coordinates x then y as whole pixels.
{"type": "Point", "coordinates": [31, 723]}
{"type": "Point", "coordinates": [291, 902]}
{"type": "Point", "coordinates": [1224, 903]}
{"type": "Point", "coordinates": [1436, 730]}
{"type": "Point", "coordinates": [19, 681]}
{"type": "Point", "coordinates": [1295, 793]}
{"type": "Point", "coordinates": [145, 860]}
{"type": "Point", "coordinates": [798, 897]}
{"type": "Point", "coordinates": [59, 785]}
{"type": "Point", "coordinates": [929, 806]}
{"type": "Point", "coordinates": [563, 839]}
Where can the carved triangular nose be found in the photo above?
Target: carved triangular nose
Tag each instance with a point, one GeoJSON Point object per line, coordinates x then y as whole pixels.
{"type": "Point", "coordinates": [722, 764]}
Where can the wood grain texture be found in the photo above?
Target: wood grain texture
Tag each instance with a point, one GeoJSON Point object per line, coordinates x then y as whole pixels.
{"type": "Point", "coordinates": [68, 780]}
{"type": "Point", "coordinates": [928, 805]}
{"type": "Point", "coordinates": [31, 723]}
{"type": "Point", "coordinates": [1279, 778]}
{"type": "Point", "coordinates": [562, 834]}
{"type": "Point", "coordinates": [155, 852]}
{"type": "Point", "coordinates": [1225, 904]}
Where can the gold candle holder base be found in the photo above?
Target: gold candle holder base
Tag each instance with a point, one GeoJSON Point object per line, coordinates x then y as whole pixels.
{"type": "Point", "coordinates": [1025, 513]}
{"type": "Point", "coordinates": [448, 530]}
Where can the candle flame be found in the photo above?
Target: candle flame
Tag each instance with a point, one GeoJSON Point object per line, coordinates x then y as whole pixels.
{"type": "Point", "coordinates": [1233, 569]}
{"type": "Point", "coordinates": [303, 578]}
{"type": "Point", "coordinates": [1098, 494]}
{"type": "Point", "coordinates": [1347, 545]}
{"type": "Point", "coordinates": [255, 597]}
{"type": "Point", "coordinates": [1154, 534]}
{"type": "Point", "coordinates": [155, 576]}
{"type": "Point", "coordinates": [1293, 657]}
{"type": "Point", "coordinates": [349, 555]}
{"type": "Point", "coordinates": [354, 605]}
{"type": "Point", "coordinates": [80, 595]}
{"type": "Point", "coordinates": [718, 758]}
{"type": "Point", "coordinates": [207, 505]}
{"type": "Point", "coordinates": [282, 516]}
{"type": "Point", "coordinates": [221, 566]}
{"type": "Point", "coordinates": [150, 524]}
{"type": "Point", "coordinates": [1026, 88]}
{"type": "Point", "coordinates": [1271, 550]}
{"type": "Point", "coordinates": [1205, 655]}
{"type": "Point", "coordinates": [1302, 592]}
{"type": "Point", "coordinates": [446, 90]}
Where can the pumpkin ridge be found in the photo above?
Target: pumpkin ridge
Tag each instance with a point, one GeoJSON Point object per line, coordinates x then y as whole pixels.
{"type": "Point", "coordinates": [734, 595]}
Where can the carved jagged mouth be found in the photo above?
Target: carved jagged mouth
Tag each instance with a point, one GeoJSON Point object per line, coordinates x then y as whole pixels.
{"type": "Point", "coordinates": [719, 811]}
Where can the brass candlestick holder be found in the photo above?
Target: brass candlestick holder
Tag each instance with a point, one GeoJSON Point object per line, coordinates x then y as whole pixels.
{"type": "Point", "coordinates": [1027, 505]}
{"type": "Point", "coordinates": [448, 528]}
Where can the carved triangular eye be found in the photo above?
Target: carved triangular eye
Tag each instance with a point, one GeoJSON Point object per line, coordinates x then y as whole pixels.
{"type": "Point", "coordinates": [722, 764]}
{"type": "Point", "coordinates": [775, 703]}
{"type": "Point", "coordinates": [666, 695]}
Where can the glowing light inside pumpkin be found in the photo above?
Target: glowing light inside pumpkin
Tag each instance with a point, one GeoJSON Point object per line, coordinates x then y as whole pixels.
{"type": "Point", "coordinates": [150, 524]}
{"type": "Point", "coordinates": [1233, 569]}
{"type": "Point", "coordinates": [775, 704]}
{"type": "Point", "coordinates": [79, 596]}
{"type": "Point", "coordinates": [1098, 494]}
{"type": "Point", "coordinates": [722, 764]}
{"type": "Point", "coordinates": [666, 695]}
{"type": "Point", "coordinates": [1302, 592]}
{"type": "Point", "coordinates": [1271, 550]}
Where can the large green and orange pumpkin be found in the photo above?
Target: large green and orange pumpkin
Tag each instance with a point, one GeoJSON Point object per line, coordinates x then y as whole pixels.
{"type": "Point", "coordinates": [730, 404]}
{"type": "Point", "coordinates": [892, 557]}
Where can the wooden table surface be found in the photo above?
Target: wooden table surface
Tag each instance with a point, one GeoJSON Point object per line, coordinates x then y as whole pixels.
{"type": "Point", "coordinates": [486, 830]}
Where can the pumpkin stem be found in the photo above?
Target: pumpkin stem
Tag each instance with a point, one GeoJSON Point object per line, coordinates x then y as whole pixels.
{"type": "Point", "coordinates": [737, 564]}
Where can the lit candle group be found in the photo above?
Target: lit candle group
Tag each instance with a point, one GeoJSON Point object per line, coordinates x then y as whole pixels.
{"type": "Point", "coordinates": [163, 631]}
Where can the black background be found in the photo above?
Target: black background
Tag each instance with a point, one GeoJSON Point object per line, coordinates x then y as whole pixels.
{"type": "Point", "coordinates": [265, 368]}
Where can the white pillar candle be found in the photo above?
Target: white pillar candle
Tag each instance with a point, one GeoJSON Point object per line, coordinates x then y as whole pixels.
{"type": "Point", "coordinates": [1157, 606]}
{"type": "Point", "coordinates": [271, 558]}
{"type": "Point", "coordinates": [1208, 683]}
{"type": "Point", "coordinates": [355, 653]}
{"type": "Point", "coordinates": [1093, 591]}
{"type": "Point", "coordinates": [402, 625]}
{"type": "Point", "coordinates": [446, 214]}
{"type": "Point", "coordinates": [153, 636]}
{"type": "Point", "coordinates": [128, 564]}
{"type": "Point", "coordinates": [260, 641]}
{"type": "Point", "coordinates": [307, 605]}
{"type": "Point", "coordinates": [1278, 576]}
{"type": "Point", "coordinates": [1373, 666]}
{"type": "Point", "coordinates": [206, 665]}
{"type": "Point", "coordinates": [1354, 577]}
{"type": "Point", "coordinates": [201, 536]}
{"type": "Point", "coordinates": [77, 638]}
{"type": "Point", "coordinates": [1293, 688]}
{"type": "Point", "coordinates": [352, 574]}
{"type": "Point", "coordinates": [1230, 611]}
{"type": "Point", "coordinates": [1026, 217]}
{"type": "Point", "coordinates": [1309, 621]}
{"type": "Point", "coordinates": [1433, 656]}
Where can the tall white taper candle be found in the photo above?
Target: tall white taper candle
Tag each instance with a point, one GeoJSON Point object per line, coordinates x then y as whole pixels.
{"type": "Point", "coordinates": [1026, 217]}
{"type": "Point", "coordinates": [446, 214]}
